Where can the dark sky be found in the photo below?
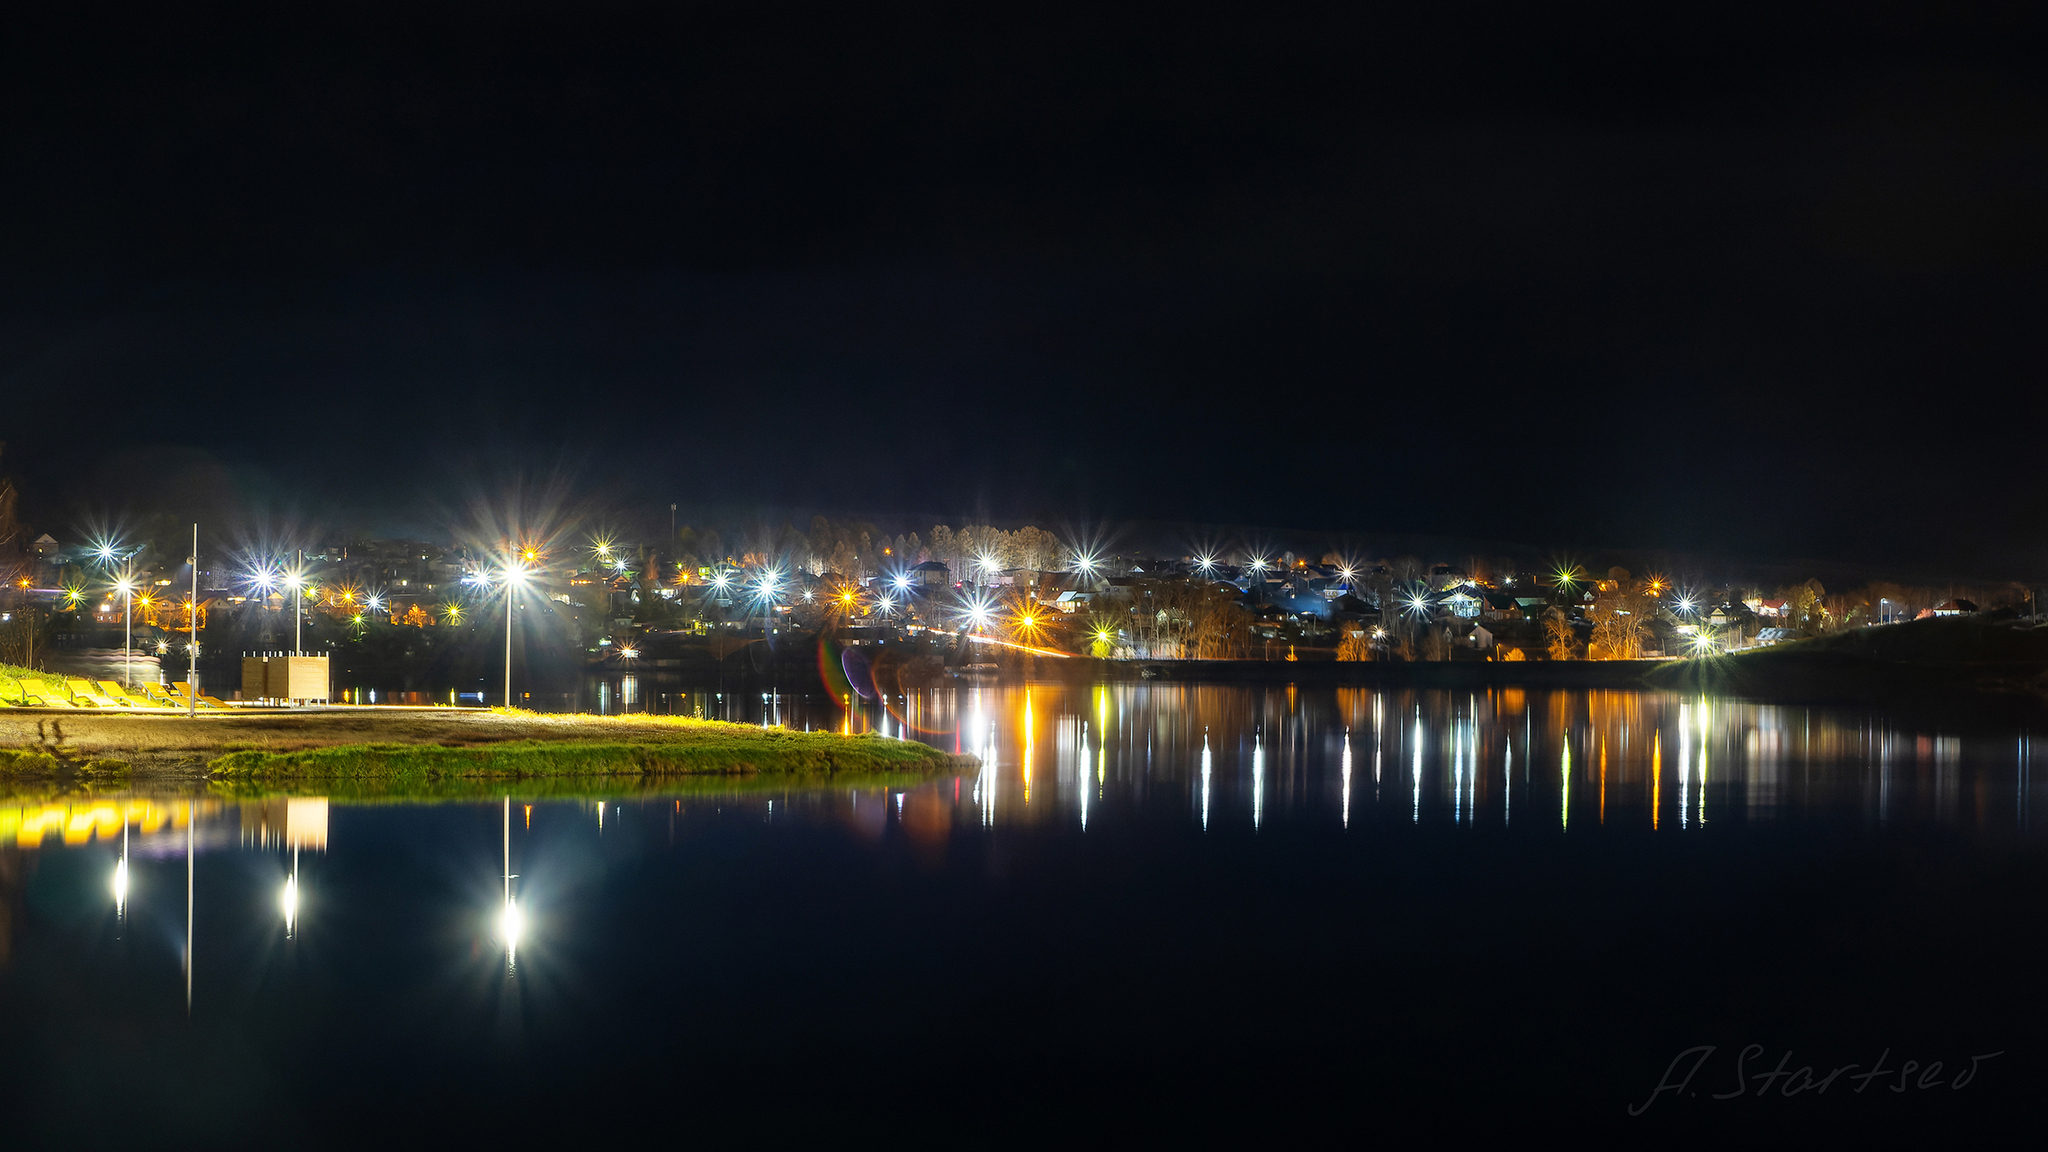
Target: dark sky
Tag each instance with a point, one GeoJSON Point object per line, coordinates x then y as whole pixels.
{"type": "Point", "coordinates": [1762, 283]}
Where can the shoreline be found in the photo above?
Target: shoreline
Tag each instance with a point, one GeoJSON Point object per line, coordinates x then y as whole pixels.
{"type": "Point", "coordinates": [427, 744]}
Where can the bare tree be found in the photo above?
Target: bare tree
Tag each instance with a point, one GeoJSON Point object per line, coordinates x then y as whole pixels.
{"type": "Point", "coordinates": [1557, 632]}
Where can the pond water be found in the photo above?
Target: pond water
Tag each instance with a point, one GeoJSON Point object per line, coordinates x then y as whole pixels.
{"type": "Point", "coordinates": [1156, 912]}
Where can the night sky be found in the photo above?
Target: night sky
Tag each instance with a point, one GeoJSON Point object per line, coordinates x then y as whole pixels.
{"type": "Point", "coordinates": [1769, 285]}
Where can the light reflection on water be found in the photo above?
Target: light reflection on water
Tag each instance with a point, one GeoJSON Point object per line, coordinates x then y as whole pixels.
{"type": "Point", "coordinates": [1231, 755]}
{"type": "Point", "coordinates": [1145, 830]}
{"type": "Point", "coordinates": [1218, 758]}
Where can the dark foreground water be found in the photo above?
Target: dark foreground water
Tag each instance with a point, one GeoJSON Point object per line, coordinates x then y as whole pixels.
{"type": "Point", "coordinates": [1175, 913]}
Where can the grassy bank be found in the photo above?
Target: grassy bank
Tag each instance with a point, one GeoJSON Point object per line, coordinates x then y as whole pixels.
{"type": "Point", "coordinates": [35, 764]}
{"type": "Point", "coordinates": [1993, 654]}
{"type": "Point", "coordinates": [370, 743]}
{"type": "Point", "coordinates": [28, 679]}
{"type": "Point", "coordinates": [536, 789]}
{"type": "Point", "coordinates": [700, 748]}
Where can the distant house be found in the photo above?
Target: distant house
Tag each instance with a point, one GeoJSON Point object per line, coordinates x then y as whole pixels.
{"type": "Point", "coordinates": [1482, 637]}
{"type": "Point", "coordinates": [931, 572]}
{"type": "Point", "coordinates": [1776, 635]}
{"type": "Point", "coordinates": [1769, 609]}
{"type": "Point", "coordinates": [47, 548]}
{"type": "Point", "coordinates": [1071, 602]}
{"type": "Point", "coordinates": [1462, 602]}
{"type": "Point", "coordinates": [1956, 607]}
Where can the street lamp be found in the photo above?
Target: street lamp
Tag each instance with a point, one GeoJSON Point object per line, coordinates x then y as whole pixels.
{"type": "Point", "coordinates": [765, 590]}
{"type": "Point", "coordinates": [127, 586]}
{"type": "Point", "coordinates": [515, 575]}
{"type": "Point", "coordinates": [296, 580]}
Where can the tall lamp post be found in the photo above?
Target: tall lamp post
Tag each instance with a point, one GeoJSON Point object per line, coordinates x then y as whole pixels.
{"type": "Point", "coordinates": [127, 586]}
{"type": "Point", "coordinates": [296, 580]}
{"type": "Point", "coordinates": [515, 575]}
{"type": "Point", "coordinates": [192, 664]}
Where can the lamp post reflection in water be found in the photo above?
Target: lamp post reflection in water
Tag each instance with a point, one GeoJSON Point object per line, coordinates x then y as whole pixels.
{"type": "Point", "coordinates": [1084, 776]}
{"type": "Point", "coordinates": [1205, 779]}
{"type": "Point", "coordinates": [1347, 778]}
{"type": "Point", "coordinates": [190, 825]}
{"type": "Point", "coordinates": [511, 922]}
{"type": "Point", "coordinates": [289, 900]}
{"type": "Point", "coordinates": [120, 882]}
{"type": "Point", "coordinates": [1416, 811]}
{"type": "Point", "coordinates": [1564, 786]}
{"type": "Point", "coordinates": [1258, 780]}
{"type": "Point", "coordinates": [1507, 786]}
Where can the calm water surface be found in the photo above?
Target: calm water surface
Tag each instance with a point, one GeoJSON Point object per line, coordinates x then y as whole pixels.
{"type": "Point", "coordinates": [1173, 912]}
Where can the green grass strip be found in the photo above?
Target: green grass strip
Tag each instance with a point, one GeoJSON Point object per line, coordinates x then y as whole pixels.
{"type": "Point", "coordinates": [771, 751]}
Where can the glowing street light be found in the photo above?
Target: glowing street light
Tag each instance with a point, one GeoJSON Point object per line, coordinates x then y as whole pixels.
{"type": "Point", "coordinates": [978, 611]}
{"type": "Point", "coordinates": [296, 581]}
{"type": "Point", "coordinates": [106, 550]}
{"type": "Point", "coordinates": [515, 576]}
{"type": "Point", "coordinates": [1416, 602]}
{"type": "Point", "coordinates": [126, 583]}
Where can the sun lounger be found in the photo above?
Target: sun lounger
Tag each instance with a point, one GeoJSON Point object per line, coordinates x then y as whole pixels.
{"type": "Point", "coordinates": [34, 694]}
{"type": "Point", "coordinates": [183, 697]}
{"type": "Point", "coordinates": [84, 690]}
{"type": "Point", "coordinates": [168, 698]}
{"type": "Point", "coordinates": [120, 695]}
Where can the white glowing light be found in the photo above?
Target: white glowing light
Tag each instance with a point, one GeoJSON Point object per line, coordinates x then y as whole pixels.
{"type": "Point", "coordinates": [511, 925]}
{"type": "Point", "coordinates": [289, 902]}
{"type": "Point", "coordinates": [979, 610]}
